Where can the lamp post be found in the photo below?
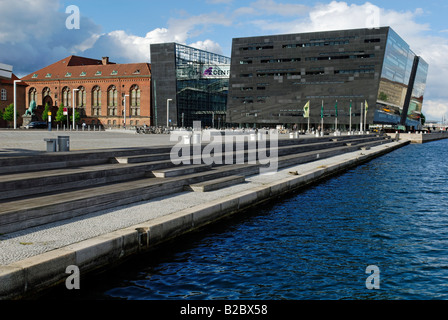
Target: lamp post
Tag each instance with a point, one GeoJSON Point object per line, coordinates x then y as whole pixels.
{"type": "Point", "coordinates": [15, 103]}
{"type": "Point", "coordinates": [73, 113]}
{"type": "Point", "coordinates": [124, 120]}
{"type": "Point", "coordinates": [168, 112]}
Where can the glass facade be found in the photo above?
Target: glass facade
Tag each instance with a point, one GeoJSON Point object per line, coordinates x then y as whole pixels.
{"type": "Point", "coordinates": [416, 104]}
{"type": "Point", "coordinates": [396, 79]}
{"type": "Point", "coordinates": [202, 82]}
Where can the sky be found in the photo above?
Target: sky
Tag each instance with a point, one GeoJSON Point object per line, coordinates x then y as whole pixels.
{"type": "Point", "coordinates": [34, 33]}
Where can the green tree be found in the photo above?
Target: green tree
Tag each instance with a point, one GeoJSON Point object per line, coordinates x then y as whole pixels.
{"type": "Point", "coordinates": [45, 113]}
{"type": "Point", "coordinates": [8, 114]}
{"type": "Point", "coordinates": [77, 117]}
{"type": "Point", "coordinates": [60, 114]}
{"type": "Point", "coordinates": [382, 96]}
{"type": "Point", "coordinates": [423, 119]}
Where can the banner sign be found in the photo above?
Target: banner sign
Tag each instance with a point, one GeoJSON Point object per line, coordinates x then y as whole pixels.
{"type": "Point", "coordinates": [204, 72]}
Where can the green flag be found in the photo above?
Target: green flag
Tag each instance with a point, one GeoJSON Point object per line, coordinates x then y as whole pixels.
{"type": "Point", "coordinates": [322, 111]}
{"type": "Point", "coordinates": [336, 107]}
{"type": "Point", "coordinates": [306, 110]}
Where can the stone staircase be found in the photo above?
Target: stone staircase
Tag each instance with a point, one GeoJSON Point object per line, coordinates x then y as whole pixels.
{"type": "Point", "coordinates": [40, 189]}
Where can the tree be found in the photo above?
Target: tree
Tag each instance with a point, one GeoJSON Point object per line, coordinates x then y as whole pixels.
{"type": "Point", "coordinates": [45, 113]}
{"type": "Point", "coordinates": [382, 96]}
{"type": "Point", "coordinates": [77, 117]}
{"type": "Point", "coordinates": [423, 119]}
{"type": "Point", "coordinates": [8, 114]}
{"type": "Point", "coordinates": [60, 114]}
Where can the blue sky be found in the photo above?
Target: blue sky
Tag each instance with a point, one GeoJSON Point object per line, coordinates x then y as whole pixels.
{"type": "Point", "coordinates": [33, 32]}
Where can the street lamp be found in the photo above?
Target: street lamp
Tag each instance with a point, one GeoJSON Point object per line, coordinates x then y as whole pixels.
{"type": "Point", "coordinates": [15, 103]}
{"type": "Point", "coordinates": [126, 95]}
{"type": "Point", "coordinates": [73, 114]}
{"type": "Point", "coordinates": [168, 112]}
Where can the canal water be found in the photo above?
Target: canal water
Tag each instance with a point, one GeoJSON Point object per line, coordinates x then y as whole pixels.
{"type": "Point", "coordinates": [390, 213]}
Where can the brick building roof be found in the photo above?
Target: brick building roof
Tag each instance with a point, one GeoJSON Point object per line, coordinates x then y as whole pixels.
{"type": "Point", "coordinates": [11, 81]}
{"type": "Point", "coordinates": [74, 67]}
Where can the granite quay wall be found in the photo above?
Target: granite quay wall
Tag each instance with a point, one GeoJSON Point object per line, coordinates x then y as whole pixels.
{"type": "Point", "coordinates": [420, 137]}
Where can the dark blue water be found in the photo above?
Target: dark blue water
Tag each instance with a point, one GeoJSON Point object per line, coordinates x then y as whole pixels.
{"type": "Point", "coordinates": [391, 212]}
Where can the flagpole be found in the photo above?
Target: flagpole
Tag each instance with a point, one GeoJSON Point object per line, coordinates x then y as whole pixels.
{"type": "Point", "coordinates": [362, 122]}
{"type": "Point", "coordinates": [336, 123]}
{"type": "Point", "coordinates": [309, 116]}
{"type": "Point", "coordinates": [350, 117]}
{"type": "Point", "coordinates": [308, 124]}
{"type": "Point", "coordinates": [365, 116]}
{"type": "Point", "coordinates": [322, 119]}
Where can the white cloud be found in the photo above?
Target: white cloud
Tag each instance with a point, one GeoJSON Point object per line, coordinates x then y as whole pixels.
{"type": "Point", "coordinates": [434, 110]}
{"type": "Point", "coordinates": [208, 45]}
{"type": "Point", "coordinates": [131, 48]}
{"type": "Point", "coordinates": [33, 34]}
{"type": "Point", "coordinates": [270, 8]}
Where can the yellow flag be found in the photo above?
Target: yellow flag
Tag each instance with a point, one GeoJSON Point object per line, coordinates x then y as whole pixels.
{"type": "Point", "coordinates": [306, 110]}
{"type": "Point", "coordinates": [367, 106]}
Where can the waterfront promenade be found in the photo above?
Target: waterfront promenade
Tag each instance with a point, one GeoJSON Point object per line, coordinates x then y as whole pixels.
{"type": "Point", "coordinates": [36, 258]}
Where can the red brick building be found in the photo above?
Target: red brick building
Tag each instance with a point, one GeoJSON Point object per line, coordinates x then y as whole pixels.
{"type": "Point", "coordinates": [104, 90]}
{"type": "Point", "coordinates": [7, 98]}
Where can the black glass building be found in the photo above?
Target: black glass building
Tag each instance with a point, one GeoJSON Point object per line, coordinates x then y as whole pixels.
{"type": "Point", "coordinates": [188, 85]}
{"type": "Point", "coordinates": [348, 77]}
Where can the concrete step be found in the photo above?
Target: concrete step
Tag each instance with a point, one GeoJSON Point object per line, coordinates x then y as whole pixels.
{"type": "Point", "coordinates": [17, 214]}
{"type": "Point", "coordinates": [141, 158]}
{"type": "Point", "coordinates": [44, 182]}
{"type": "Point", "coordinates": [25, 213]}
{"type": "Point", "coordinates": [57, 180]}
{"type": "Point", "coordinates": [216, 184]}
{"type": "Point", "coordinates": [180, 170]}
{"type": "Point", "coordinates": [60, 160]}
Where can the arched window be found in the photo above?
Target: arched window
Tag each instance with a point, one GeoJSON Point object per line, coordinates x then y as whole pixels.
{"type": "Point", "coordinates": [4, 95]}
{"type": "Point", "coordinates": [32, 95]}
{"type": "Point", "coordinates": [81, 97]}
{"type": "Point", "coordinates": [46, 92]}
{"type": "Point", "coordinates": [135, 96]}
{"type": "Point", "coordinates": [66, 97]}
{"type": "Point", "coordinates": [135, 100]}
{"type": "Point", "coordinates": [112, 96]}
{"type": "Point", "coordinates": [96, 101]}
{"type": "Point", "coordinates": [96, 96]}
